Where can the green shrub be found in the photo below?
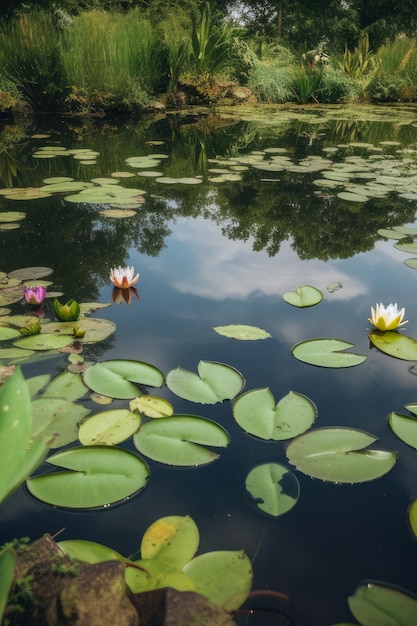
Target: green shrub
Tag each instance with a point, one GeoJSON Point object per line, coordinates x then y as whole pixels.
{"type": "Point", "coordinates": [271, 83]}
{"type": "Point", "coordinates": [391, 88]}
{"type": "Point", "coordinates": [306, 85]}
{"type": "Point", "coordinates": [336, 86]}
{"type": "Point", "coordinates": [31, 58]}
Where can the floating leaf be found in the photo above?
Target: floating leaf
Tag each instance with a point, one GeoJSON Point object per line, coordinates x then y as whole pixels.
{"type": "Point", "coordinates": [376, 604]}
{"type": "Point", "coordinates": [43, 341]}
{"type": "Point", "coordinates": [89, 551]}
{"type": "Point", "coordinates": [240, 331]}
{"type": "Point", "coordinates": [179, 440]}
{"type": "Point", "coordinates": [274, 488]}
{"type": "Point", "coordinates": [66, 385]}
{"type": "Point", "coordinates": [337, 455]}
{"type": "Point", "coordinates": [390, 234]}
{"type": "Point", "coordinates": [8, 333]}
{"type": "Point", "coordinates": [407, 247]}
{"type": "Point", "coordinates": [152, 406]}
{"type": "Point", "coordinates": [109, 428]}
{"type": "Point", "coordinates": [327, 352]}
{"type": "Point", "coordinates": [174, 539]}
{"type": "Point", "coordinates": [411, 263]}
{"type": "Point", "coordinates": [412, 517]}
{"type": "Point", "coordinates": [405, 427]}
{"type": "Point", "coordinates": [333, 287]}
{"type": "Point", "coordinates": [11, 216]}
{"type": "Point", "coordinates": [95, 329]}
{"type": "Point", "coordinates": [395, 344]}
{"type": "Point", "coordinates": [97, 476]}
{"type": "Point", "coordinates": [26, 273]}
{"type": "Point", "coordinates": [255, 411]}
{"type": "Point", "coordinates": [225, 577]}
{"type": "Point", "coordinates": [216, 382]}
{"type": "Point", "coordinates": [116, 378]}
{"type": "Point", "coordinates": [56, 420]}
{"type": "Point", "coordinates": [303, 296]}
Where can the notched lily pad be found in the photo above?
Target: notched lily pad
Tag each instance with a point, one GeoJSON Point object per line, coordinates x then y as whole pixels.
{"type": "Point", "coordinates": [215, 382]}
{"type": "Point", "coordinates": [327, 352]}
{"type": "Point", "coordinates": [395, 344]}
{"type": "Point", "coordinates": [242, 332]}
{"type": "Point", "coordinates": [274, 488]}
{"type": "Point", "coordinates": [303, 296]}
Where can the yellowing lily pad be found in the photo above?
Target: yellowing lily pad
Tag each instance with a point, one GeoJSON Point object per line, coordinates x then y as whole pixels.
{"type": "Point", "coordinates": [303, 296]}
{"type": "Point", "coordinates": [242, 332]}
{"type": "Point", "coordinates": [152, 406]}
{"type": "Point", "coordinates": [11, 216]}
{"type": "Point", "coordinates": [109, 427]}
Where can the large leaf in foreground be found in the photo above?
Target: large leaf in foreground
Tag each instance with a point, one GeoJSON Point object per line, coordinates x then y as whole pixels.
{"type": "Point", "coordinates": [274, 488]}
{"type": "Point", "coordinates": [338, 455]}
{"type": "Point", "coordinates": [7, 566]}
{"type": "Point", "coordinates": [327, 352]}
{"type": "Point", "coordinates": [97, 476]}
{"type": "Point", "coordinates": [181, 440]}
{"type": "Point", "coordinates": [412, 517]}
{"type": "Point", "coordinates": [117, 378]}
{"type": "Point", "coordinates": [225, 577]}
{"type": "Point", "coordinates": [255, 411]}
{"type": "Point", "coordinates": [395, 344]}
{"type": "Point", "coordinates": [375, 604]}
{"type": "Point", "coordinates": [215, 382]}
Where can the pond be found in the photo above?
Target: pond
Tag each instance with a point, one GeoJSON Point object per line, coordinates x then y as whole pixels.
{"type": "Point", "coordinates": [229, 213]}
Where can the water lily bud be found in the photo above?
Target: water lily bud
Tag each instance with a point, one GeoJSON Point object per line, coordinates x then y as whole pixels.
{"type": "Point", "coordinates": [68, 312]}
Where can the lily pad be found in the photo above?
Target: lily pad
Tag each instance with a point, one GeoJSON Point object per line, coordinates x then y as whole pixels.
{"type": "Point", "coordinates": [225, 577]}
{"type": "Point", "coordinates": [174, 539]}
{"type": "Point", "coordinates": [67, 385]}
{"type": "Point", "coordinates": [95, 329]}
{"type": "Point", "coordinates": [56, 420]}
{"type": "Point", "coordinates": [11, 216]}
{"type": "Point", "coordinates": [180, 440]}
{"type": "Point", "coordinates": [152, 406]}
{"type": "Point", "coordinates": [411, 263]}
{"type": "Point", "coordinates": [395, 344]}
{"type": "Point", "coordinates": [26, 273]}
{"type": "Point", "coordinates": [215, 382]}
{"type": "Point", "coordinates": [95, 477]}
{"type": "Point", "coordinates": [412, 517]}
{"type": "Point", "coordinates": [89, 551]}
{"type": "Point", "coordinates": [337, 455]}
{"type": "Point", "coordinates": [327, 352]}
{"type": "Point", "coordinates": [407, 247]}
{"type": "Point", "coordinates": [274, 488]}
{"type": "Point", "coordinates": [117, 378]}
{"type": "Point", "coordinates": [382, 605]}
{"type": "Point", "coordinates": [405, 427]}
{"type": "Point", "coordinates": [303, 296]}
{"type": "Point", "coordinates": [242, 332]}
{"type": "Point", "coordinates": [390, 234]}
{"type": "Point", "coordinates": [255, 411]}
{"type": "Point", "coordinates": [43, 341]}
{"type": "Point", "coordinates": [109, 428]}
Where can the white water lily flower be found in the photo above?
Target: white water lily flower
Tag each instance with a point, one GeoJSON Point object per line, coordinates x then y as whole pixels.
{"type": "Point", "coordinates": [387, 318]}
{"type": "Point", "coordinates": [123, 277]}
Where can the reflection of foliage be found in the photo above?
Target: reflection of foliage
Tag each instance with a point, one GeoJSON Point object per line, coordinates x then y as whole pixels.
{"type": "Point", "coordinates": [322, 228]}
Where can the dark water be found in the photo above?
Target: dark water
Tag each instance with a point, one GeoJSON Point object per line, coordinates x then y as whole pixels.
{"type": "Point", "coordinates": [217, 254]}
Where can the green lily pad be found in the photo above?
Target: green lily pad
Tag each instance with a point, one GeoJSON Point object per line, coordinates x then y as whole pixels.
{"type": "Point", "coordinates": [327, 352]}
{"type": "Point", "coordinates": [405, 427]}
{"type": "Point", "coordinates": [152, 406]}
{"type": "Point", "coordinates": [27, 273]}
{"type": "Point", "coordinates": [407, 247]}
{"type": "Point", "coordinates": [109, 428]}
{"type": "Point", "coordinates": [411, 263]}
{"type": "Point", "coordinates": [255, 411]}
{"type": "Point", "coordinates": [95, 329]}
{"type": "Point", "coordinates": [382, 605]}
{"type": "Point", "coordinates": [390, 234]}
{"type": "Point", "coordinates": [9, 295]}
{"type": "Point", "coordinates": [412, 517]}
{"type": "Point", "coordinates": [407, 230]}
{"type": "Point", "coordinates": [242, 332]}
{"type": "Point", "coordinates": [8, 354]}
{"type": "Point", "coordinates": [225, 577]}
{"type": "Point", "coordinates": [395, 344]}
{"type": "Point", "coordinates": [89, 551]}
{"type": "Point", "coordinates": [337, 455]}
{"type": "Point", "coordinates": [8, 333]}
{"type": "Point", "coordinates": [156, 573]}
{"type": "Point", "coordinates": [96, 477]}
{"type": "Point", "coordinates": [174, 539]}
{"type": "Point", "coordinates": [11, 216]}
{"type": "Point", "coordinates": [215, 382]}
{"type": "Point", "coordinates": [274, 488]}
{"type": "Point", "coordinates": [303, 296]}
{"type": "Point", "coordinates": [352, 197]}
{"type": "Point", "coordinates": [67, 385]}
{"type": "Point", "coordinates": [56, 420]}
{"type": "Point", "coordinates": [179, 440]}
{"type": "Point", "coordinates": [9, 226]}
{"type": "Point", "coordinates": [43, 341]}
{"type": "Point", "coordinates": [118, 213]}
{"type": "Point", "coordinates": [116, 378]}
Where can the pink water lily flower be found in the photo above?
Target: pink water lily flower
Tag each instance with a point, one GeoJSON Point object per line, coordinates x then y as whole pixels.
{"type": "Point", "coordinates": [387, 318]}
{"type": "Point", "coordinates": [123, 277]}
{"type": "Point", "coordinates": [35, 295]}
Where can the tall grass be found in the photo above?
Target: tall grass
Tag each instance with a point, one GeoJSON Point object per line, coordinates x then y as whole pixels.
{"type": "Point", "coordinates": [31, 57]}
{"type": "Point", "coordinates": [114, 60]}
{"type": "Point", "coordinates": [395, 77]}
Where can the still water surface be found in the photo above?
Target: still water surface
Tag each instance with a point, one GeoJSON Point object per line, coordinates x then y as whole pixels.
{"type": "Point", "coordinates": [220, 253]}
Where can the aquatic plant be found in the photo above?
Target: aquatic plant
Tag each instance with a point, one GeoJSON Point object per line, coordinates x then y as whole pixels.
{"type": "Point", "coordinates": [124, 277]}
{"type": "Point", "coordinates": [387, 317]}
